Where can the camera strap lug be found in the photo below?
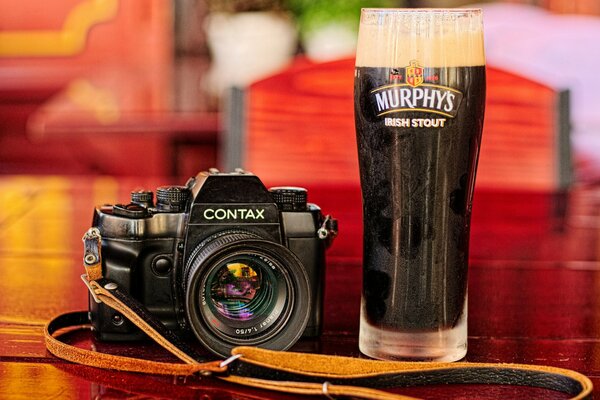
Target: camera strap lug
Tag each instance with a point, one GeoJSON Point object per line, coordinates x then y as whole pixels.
{"type": "Point", "coordinates": [92, 254]}
{"type": "Point", "coordinates": [92, 259]}
{"type": "Point", "coordinates": [328, 230]}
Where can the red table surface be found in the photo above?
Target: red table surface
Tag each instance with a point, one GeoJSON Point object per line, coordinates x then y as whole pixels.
{"type": "Point", "coordinates": [533, 284]}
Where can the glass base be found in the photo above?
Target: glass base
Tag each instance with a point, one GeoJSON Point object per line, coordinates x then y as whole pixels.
{"type": "Point", "coordinates": [442, 346]}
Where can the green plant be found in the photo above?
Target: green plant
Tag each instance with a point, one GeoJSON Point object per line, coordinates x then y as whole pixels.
{"type": "Point", "coordinates": [312, 14]}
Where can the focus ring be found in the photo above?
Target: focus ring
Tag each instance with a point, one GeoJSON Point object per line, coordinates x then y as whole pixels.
{"type": "Point", "coordinates": [205, 248]}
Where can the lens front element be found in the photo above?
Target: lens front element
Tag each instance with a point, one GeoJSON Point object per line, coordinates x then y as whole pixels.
{"type": "Point", "coordinates": [238, 292]}
{"type": "Point", "coordinates": [245, 296]}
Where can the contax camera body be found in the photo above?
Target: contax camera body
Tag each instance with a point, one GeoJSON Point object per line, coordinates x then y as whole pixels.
{"type": "Point", "coordinates": [222, 257]}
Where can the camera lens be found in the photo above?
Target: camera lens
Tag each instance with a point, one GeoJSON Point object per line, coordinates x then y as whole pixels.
{"type": "Point", "coordinates": [244, 290]}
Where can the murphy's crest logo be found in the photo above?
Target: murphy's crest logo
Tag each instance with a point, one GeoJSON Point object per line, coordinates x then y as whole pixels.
{"type": "Point", "coordinates": [414, 74]}
{"type": "Point", "coordinates": [416, 91]}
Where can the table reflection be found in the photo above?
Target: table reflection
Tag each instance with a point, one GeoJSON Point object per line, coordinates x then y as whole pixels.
{"type": "Point", "coordinates": [533, 284]}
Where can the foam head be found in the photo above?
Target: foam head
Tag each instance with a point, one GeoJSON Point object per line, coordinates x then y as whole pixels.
{"type": "Point", "coordinates": [434, 37]}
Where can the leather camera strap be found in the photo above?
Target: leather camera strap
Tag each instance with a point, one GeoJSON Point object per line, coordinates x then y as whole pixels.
{"type": "Point", "coordinates": [309, 374]}
{"type": "Point", "coordinates": [299, 373]}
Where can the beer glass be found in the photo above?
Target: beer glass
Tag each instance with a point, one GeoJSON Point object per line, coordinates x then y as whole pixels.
{"type": "Point", "coordinates": [419, 97]}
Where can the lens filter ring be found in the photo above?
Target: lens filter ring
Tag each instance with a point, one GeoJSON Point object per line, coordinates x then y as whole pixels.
{"type": "Point", "coordinates": [241, 290]}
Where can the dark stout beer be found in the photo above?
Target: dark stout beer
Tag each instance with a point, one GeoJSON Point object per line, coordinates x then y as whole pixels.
{"type": "Point", "coordinates": [419, 100]}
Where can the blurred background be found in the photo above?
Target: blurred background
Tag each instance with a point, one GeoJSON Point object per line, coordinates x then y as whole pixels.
{"type": "Point", "coordinates": [142, 88]}
{"type": "Point", "coordinates": [101, 97]}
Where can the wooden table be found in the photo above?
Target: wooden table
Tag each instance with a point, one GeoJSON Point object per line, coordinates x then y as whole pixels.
{"type": "Point", "coordinates": [534, 284]}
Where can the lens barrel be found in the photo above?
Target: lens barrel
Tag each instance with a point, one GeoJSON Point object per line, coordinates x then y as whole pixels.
{"type": "Point", "coordinates": [243, 290]}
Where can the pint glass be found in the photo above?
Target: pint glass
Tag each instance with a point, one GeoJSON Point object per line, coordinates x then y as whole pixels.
{"type": "Point", "coordinates": [419, 97]}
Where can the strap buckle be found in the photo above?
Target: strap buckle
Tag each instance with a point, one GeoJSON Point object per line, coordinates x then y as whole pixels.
{"type": "Point", "coordinates": [84, 278]}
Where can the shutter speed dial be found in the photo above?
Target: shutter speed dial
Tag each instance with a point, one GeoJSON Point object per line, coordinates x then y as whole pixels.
{"type": "Point", "coordinates": [172, 198]}
{"type": "Point", "coordinates": [289, 198]}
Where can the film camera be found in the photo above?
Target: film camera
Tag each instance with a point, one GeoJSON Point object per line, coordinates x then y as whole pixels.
{"type": "Point", "coordinates": [222, 257]}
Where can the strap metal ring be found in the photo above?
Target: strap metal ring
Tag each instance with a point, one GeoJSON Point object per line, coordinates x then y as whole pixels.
{"type": "Point", "coordinates": [325, 390]}
{"type": "Point", "coordinates": [231, 359]}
